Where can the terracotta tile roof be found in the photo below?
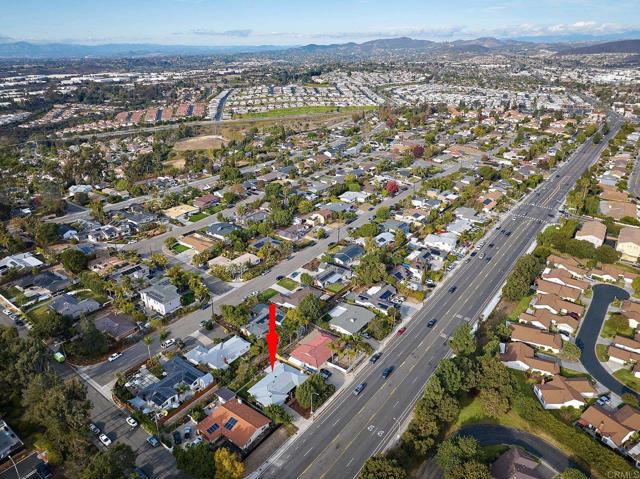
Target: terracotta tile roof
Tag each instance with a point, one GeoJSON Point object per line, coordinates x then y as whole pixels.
{"type": "Point", "coordinates": [314, 349]}
{"type": "Point", "coordinates": [535, 336]}
{"type": "Point", "coordinates": [606, 424]}
{"type": "Point", "coordinates": [558, 304]}
{"type": "Point", "coordinates": [234, 420]}
{"type": "Point", "coordinates": [524, 353]}
{"type": "Point", "coordinates": [548, 287]}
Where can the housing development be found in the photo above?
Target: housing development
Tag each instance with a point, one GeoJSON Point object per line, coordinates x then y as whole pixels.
{"type": "Point", "coordinates": [442, 237]}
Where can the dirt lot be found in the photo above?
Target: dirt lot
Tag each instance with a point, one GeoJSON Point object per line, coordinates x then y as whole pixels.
{"type": "Point", "coordinates": [206, 142]}
{"type": "Point", "coordinates": [265, 449]}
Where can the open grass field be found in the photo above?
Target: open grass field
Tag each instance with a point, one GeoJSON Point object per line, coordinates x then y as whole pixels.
{"type": "Point", "coordinates": [204, 142]}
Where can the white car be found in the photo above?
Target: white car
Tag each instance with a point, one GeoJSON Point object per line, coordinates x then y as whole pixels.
{"type": "Point", "coordinates": [168, 343]}
{"type": "Point", "coordinates": [114, 356]}
{"type": "Point", "coordinates": [104, 439]}
{"type": "Point", "coordinates": [132, 422]}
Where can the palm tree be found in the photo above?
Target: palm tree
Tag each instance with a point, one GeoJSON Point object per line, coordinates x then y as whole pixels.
{"type": "Point", "coordinates": [148, 340]}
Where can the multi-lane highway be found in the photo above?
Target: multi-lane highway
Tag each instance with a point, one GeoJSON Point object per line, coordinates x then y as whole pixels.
{"type": "Point", "coordinates": [353, 428]}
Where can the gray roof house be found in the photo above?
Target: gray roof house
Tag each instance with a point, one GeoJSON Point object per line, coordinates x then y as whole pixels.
{"type": "Point", "coordinates": [276, 386]}
{"type": "Point", "coordinates": [376, 297]}
{"type": "Point", "coordinates": [72, 307]}
{"type": "Point", "coordinates": [349, 319]}
{"type": "Point", "coordinates": [47, 281]}
{"type": "Point", "coordinates": [347, 255]}
{"type": "Point", "coordinates": [162, 298]}
{"type": "Point", "coordinates": [9, 441]}
{"type": "Point", "coordinates": [221, 230]}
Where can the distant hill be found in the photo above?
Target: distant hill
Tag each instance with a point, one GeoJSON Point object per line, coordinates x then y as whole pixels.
{"type": "Point", "coordinates": [72, 50]}
{"type": "Point", "coordinates": [618, 46]}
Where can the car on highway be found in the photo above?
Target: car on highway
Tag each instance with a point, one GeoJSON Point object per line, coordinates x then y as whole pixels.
{"type": "Point", "coordinates": [104, 439]}
{"type": "Point", "coordinates": [452, 289]}
{"type": "Point", "coordinates": [387, 372]}
{"type": "Point", "coordinates": [131, 422]}
{"type": "Point", "coordinates": [177, 438]}
{"type": "Point", "coordinates": [401, 331]}
{"type": "Point", "coordinates": [153, 441]}
{"type": "Point", "coordinates": [325, 373]}
{"type": "Point", "coordinates": [94, 429]}
{"type": "Point", "coordinates": [114, 356]}
{"type": "Point", "coordinates": [167, 343]}
{"type": "Point", "coordinates": [373, 359]}
{"type": "Point", "coordinates": [431, 323]}
{"type": "Point", "coordinates": [508, 233]}
{"type": "Point", "coordinates": [491, 245]}
{"type": "Point", "coordinates": [473, 253]}
{"type": "Point", "coordinates": [359, 388]}
{"type": "Point", "coordinates": [481, 256]}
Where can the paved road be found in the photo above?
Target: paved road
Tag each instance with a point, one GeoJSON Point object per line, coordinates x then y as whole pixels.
{"type": "Point", "coordinates": [603, 295]}
{"type": "Point", "coordinates": [634, 179]}
{"type": "Point", "coordinates": [553, 461]}
{"type": "Point", "coordinates": [353, 428]}
{"type": "Point", "coordinates": [25, 467]}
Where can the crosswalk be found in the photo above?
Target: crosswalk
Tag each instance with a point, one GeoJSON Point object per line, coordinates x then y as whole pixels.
{"type": "Point", "coordinates": [531, 218]}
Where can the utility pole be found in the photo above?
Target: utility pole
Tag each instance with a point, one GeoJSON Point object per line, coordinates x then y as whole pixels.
{"type": "Point", "coordinates": [313, 394]}
{"type": "Point", "coordinates": [16, 467]}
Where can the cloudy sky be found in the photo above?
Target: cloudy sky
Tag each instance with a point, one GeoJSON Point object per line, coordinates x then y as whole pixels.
{"type": "Point", "coordinates": [289, 22]}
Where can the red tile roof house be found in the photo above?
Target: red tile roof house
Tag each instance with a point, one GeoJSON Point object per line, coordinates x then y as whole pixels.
{"type": "Point", "coordinates": [562, 392]}
{"type": "Point", "coordinates": [626, 343]}
{"type": "Point", "coordinates": [563, 277]}
{"type": "Point", "coordinates": [535, 337]}
{"type": "Point", "coordinates": [568, 264]}
{"type": "Point", "coordinates": [622, 356]}
{"type": "Point", "coordinates": [312, 351]}
{"type": "Point", "coordinates": [557, 305]}
{"type": "Point", "coordinates": [522, 357]}
{"type": "Point", "coordinates": [615, 428]}
{"type": "Point", "coordinates": [564, 292]}
{"type": "Point", "coordinates": [631, 311]}
{"type": "Point", "coordinates": [236, 422]}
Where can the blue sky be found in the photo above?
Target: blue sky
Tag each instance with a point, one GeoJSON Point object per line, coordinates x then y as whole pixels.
{"type": "Point", "coordinates": [289, 22]}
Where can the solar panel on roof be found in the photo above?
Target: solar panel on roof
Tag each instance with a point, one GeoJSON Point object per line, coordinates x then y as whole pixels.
{"type": "Point", "coordinates": [230, 423]}
{"type": "Point", "coordinates": [213, 428]}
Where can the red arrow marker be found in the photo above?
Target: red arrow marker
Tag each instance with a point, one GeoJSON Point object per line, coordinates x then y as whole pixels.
{"type": "Point", "coordinates": [272, 336]}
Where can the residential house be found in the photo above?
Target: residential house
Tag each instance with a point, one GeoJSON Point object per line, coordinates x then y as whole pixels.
{"type": "Point", "coordinates": [312, 351]}
{"type": "Point", "coordinates": [71, 307]}
{"type": "Point", "coordinates": [544, 287]}
{"type": "Point", "coordinates": [349, 319]}
{"type": "Point", "coordinates": [564, 278]}
{"type": "Point", "coordinates": [613, 428]}
{"type": "Point", "coordinates": [206, 201]}
{"type": "Point", "coordinates": [617, 209]}
{"type": "Point", "coordinates": [331, 274]}
{"type": "Point", "coordinates": [515, 463]}
{"type": "Point", "coordinates": [258, 325]}
{"type": "Point", "coordinates": [535, 337]}
{"type": "Point", "coordinates": [235, 422]}
{"type": "Point", "coordinates": [181, 212]}
{"type": "Point", "coordinates": [522, 357]}
{"type": "Point", "coordinates": [277, 386]}
{"type": "Point", "coordinates": [629, 243]}
{"type": "Point", "coordinates": [19, 262]}
{"type": "Point", "coordinates": [294, 299]}
{"type": "Point", "coordinates": [631, 311]}
{"type": "Point", "coordinates": [348, 255]}
{"type": "Point", "coordinates": [46, 283]}
{"type": "Point", "coordinates": [10, 443]}
{"type": "Point", "coordinates": [568, 264]}
{"type": "Point", "coordinates": [163, 298]}
{"type": "Point", "coordinates": [378, 297]}
{"type": "Point", "coordinates": [592, 231]}
{"type": "Point", "coordinates": [564, 392]}
{"type": "Point", "coordinates": [444, 242]}
{"type": "Point", "coordinates": [557, 305]}
{"type": "Point", "coordinates": [221, 231]}
{"type": "Point", "coordinates": [118, 326]}
{"type": "Point", "coordinates": [221, 355]}
{"type": "Point", "coordinates": [622, 355]}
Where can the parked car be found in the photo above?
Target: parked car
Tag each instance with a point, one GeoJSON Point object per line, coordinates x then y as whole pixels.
{"type": "Point", "coordinates": [481, 256]}
{"type": "Point", "coordinates": [167, 343]}
{"type": "Point", "coordinates": [177, 438]}
{"type": "Point", "coordinates": [104, 439]}
{"type": "Point", "coordinates": [153, 441]}
{"type": "Point", "coordinates": [359, 388]}
{"type": "Point", "coordinates": [325, 373]}
{"type": "Point", "coordinates": [602, 400]}
{"type": "Point", "coordinates": [132, 422]}
{"type": "Point", "coordinates": [43, 470]}
{"type": "Point", "coordinates": [114, 356]}
{"type": "Point", "coordinates": [401, 331]}
{"type": "Point", "coordinates": [94, 429]}
{"type": "Point", "coordinates": [431, 323]}
{"type": "Point", "coordinates": [187, 433]}
{"type": "Point", "coordinates": [197, 441]}
{"type": "Point", "coordinates": [387, 372]}
{"type": "Point", "coordinates": [373, 359]}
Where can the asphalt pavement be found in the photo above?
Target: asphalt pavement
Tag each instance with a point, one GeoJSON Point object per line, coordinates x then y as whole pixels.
{"type": "Point", "coordinates": [587, 338]}
{"type": "Point", "coordinates": [353, 428]}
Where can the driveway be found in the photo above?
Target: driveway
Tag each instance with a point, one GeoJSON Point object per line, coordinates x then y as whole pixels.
{"type": "Point", "coordinates": [603, 295]}
{"type": "Point", "coordinates": [553, 461]}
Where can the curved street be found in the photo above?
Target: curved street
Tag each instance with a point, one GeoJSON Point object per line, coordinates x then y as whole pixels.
{"type": "Point", "coordinates": [603, 295]}
{"type": "Point", "coordinates": [553, 461]}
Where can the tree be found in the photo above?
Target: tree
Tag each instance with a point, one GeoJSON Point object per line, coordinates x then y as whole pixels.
{"type": "Point", "coordinates": [148, 340]}
{"type": "Point", "coordinates": [380, 467]}
{"type": "Point", "coordinates": [493, 403]}
{"type": "Point", "coordinates": [463, 342]}
{"type": "Point", "coordinates": [571, 473]}
{"type": "Point", "coordinates": [310, 308]}
{"type": "Point", "coordinates": [74, 261]}
{"type": "Point", "coordinates": [631, 399]}
{"type": "Point", "coordinates": [113, 463]}
{"type": "Point", "coordinates": [370, 270]}
{"type": "Point", "coordinates": [197, 461]}
{"type": "Point", "coordinates": [228, 465]}
{"type": "Point", "coordinates": [455, 451]}
{"type": "Point", "coordinates": [313, 389]}
{"type": "Point", "coordinates": [383, 213]}
{"type": "Point", "coordinates": [97, 211]}
{"type": "Point", "coordinates": [277, 414]}
{"type": "Point", "coordinates": [306, 279]}
{"type": "Point", "coordinates": [518, 284]}
{"type": "Point", "coordinates": [46, 233]}
{"type": "Point", "coordinates": [90, 342]}
{"type": "Point", "coordinates": [392, 187]}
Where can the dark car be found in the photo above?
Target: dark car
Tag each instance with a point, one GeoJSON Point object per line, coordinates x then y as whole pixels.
{"type": "Point", "coordinates": [187, 433]}
{"type": "Point", "coordinates": [137, 472]}
{"type": "Point", "coordinates": [325, 373]}
{"type": "Point", "coordinates": [452, 289]}
{"type": "Point", "coordinates": [508, 233]}
{"type": "Point", "coordinates": [153, 441]}
{"type": "Point", "coordinates": [387, 372]}
{"type": "Point", "coordinates": [573, 315]}
{"type": "Point", "coordinates": [373, 359]}
{"type": "Point", "coordinates": [491, 245]}
{"type": "Point", "coordinates": [431, 323]}
{"type": "Point", "coordinates": [279, 277]}
{"type": "Point", "coordinates": [177, 437]}
{"type": "Point", "coordinates": [401, 331]}
{"type": "Point", "coordinates": [94, 429]}
{"type": "Point", "coordinates": [359, 388]}
{"type": "Point", "coordinates": [473, 253]}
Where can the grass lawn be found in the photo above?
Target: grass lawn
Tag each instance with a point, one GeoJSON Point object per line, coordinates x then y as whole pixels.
{"type": "Point", "coordinates": [570, 373]}
{"type": "Point", "coordinates": [626, 377]}
{"type": "Point", "coordinates": [179, 248]}
{"type": "Point", "coordinates": [601, 353]}
{"type": "Point", "coordinates": [302, 110]}
{"type": "Point", "coordinates": [288, 283]}
{"type": "Point", "coordinates": [92, 295]}
{"type": "Point", "coordinates": [472, 413]}
{"type": "Point", "coordinates": [198, 216]}
{"type": "Point", "coordinates": [610, 329]}
{"type": "Point", "coordinates": [267, 294]}
{"type": "Point", "coordinates": [40, 313]}
{"type": "Point", "coordinates": [335, 287]}
{"type": "Point", "coordinates": [520, 307]}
